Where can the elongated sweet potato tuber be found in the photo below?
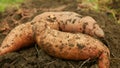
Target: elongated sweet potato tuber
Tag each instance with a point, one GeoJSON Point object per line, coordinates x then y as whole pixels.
{"type": "Point", "coordinates": [71, 46]}
{"type": "Point", "coordinates": [20, 36]}
{"type": "Point", "coordinates": [72, 22]}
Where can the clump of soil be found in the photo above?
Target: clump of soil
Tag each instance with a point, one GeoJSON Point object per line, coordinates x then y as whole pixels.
{"type": "Point", "coordinates": [34, 57]}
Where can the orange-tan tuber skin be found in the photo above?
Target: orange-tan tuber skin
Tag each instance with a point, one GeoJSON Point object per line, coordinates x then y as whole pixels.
{"type": "Point", "coordinates": [71, 46]}
{"type": "Point", "coordinates": [46, 31]}
{"type": "Point", "coordinates": [19, 37]}
{"type": "Point", "coordinates": [71, 22]}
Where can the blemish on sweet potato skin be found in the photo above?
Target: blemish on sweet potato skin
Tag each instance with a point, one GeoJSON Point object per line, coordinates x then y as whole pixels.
{"type": "Point", "coordinates": [71, 45]}
{"type": "Point", "coordinates": [80, 46]}
{"type": "Point", "coordinates": [5, 46]}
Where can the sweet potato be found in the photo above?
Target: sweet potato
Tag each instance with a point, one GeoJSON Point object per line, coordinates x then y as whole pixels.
{"type": "Point", "coordinates": [71, 46]}
{"type": "Point", "coordinates": [20, 36]}
{"type": "Point", "coordinates": [72, 22]}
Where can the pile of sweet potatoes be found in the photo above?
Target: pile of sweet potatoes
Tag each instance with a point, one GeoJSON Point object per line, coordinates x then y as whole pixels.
{"type": "Point", "coordinates": [65, 35]}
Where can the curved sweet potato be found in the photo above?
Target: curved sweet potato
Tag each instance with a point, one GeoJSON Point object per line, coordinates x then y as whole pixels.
{"type": "Point", "coordinates": [71, 46]}
{"type": "Point", "coordinates": [20, 36]}
{"type": "Point", "coordinates": [72, 22]}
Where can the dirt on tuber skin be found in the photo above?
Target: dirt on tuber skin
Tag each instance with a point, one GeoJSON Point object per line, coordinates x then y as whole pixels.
{"type": "Point", "coordinates": [35, 31]}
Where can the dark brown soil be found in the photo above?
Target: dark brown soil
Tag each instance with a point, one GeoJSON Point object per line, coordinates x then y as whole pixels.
{"type": "Point", "coordinates": [34, 57]}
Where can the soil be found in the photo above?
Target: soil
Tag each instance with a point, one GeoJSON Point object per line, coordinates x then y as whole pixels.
{"type": "Point", "coordinates": [35, 57]}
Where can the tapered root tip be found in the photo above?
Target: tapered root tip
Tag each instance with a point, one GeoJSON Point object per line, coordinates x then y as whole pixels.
{"type": "Point", "coordinates": [19, 37]}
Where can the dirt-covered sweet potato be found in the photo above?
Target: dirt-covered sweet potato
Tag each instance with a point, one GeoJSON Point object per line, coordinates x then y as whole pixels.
{"type": "Point", "coordinates": [20, 36]}
{"type": "Point", "coordinates": [71, 46]}
{"type": "Point", "coordinates": [72, 22]}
